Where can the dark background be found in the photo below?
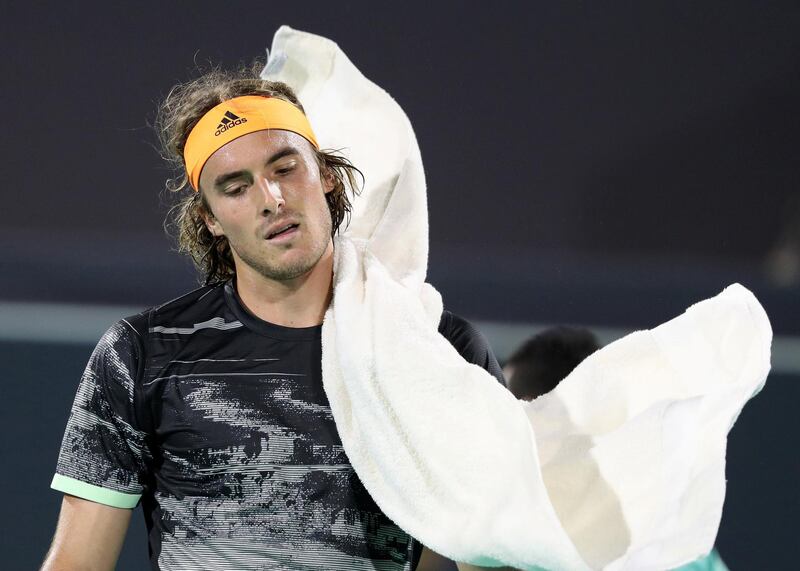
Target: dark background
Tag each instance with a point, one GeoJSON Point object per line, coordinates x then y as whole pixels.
{"type": "Point", "coordinates": [600, 163]}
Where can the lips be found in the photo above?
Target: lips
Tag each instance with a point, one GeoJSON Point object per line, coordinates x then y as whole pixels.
{"type": "Point", "coordinates": [281, 230]}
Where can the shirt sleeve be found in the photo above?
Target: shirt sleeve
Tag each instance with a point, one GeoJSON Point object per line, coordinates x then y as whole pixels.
{"type": "Point", "coordinates": [102, 455]}
{"type": "Point", "coordinates": [470, 343]}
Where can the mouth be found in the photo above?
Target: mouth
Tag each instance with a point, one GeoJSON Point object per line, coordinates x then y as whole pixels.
{"type": "Point", "coordinates": [284, 232]}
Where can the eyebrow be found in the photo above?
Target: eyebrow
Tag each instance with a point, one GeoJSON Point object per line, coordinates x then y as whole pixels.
{"type": "Point", "coordinates": [278, 155]}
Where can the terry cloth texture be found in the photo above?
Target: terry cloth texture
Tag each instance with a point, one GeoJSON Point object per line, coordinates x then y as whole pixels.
{"type": "Point", "coordinates": [621, 467]}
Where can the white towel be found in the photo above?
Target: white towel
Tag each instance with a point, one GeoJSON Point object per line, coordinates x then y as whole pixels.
{"type": "Point", "coordinates": [621, 467]}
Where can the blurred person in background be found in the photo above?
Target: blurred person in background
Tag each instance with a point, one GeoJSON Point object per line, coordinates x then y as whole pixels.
{"type": "Point", "coordinates": [209, 409]}
{"type": "Point", "coordinates": [538, 365]}
{"type": "Point", "coordinates": [544, 360]}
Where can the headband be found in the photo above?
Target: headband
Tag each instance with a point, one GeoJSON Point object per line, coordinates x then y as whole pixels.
{"type": "Point", "coordinates": [234, 118]}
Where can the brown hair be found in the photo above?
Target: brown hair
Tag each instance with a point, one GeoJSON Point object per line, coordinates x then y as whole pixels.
{"type": "Point", "coordinates": [180, 111]}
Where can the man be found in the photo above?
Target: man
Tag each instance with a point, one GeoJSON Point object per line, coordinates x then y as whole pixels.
{"type": "Point", "coordinates": [544, 360]}
{"type": "Point", "coordinates": [210, 409]}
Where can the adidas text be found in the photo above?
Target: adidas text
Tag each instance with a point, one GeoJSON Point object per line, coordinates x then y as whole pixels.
{"type": "Point", "coordinates": [222, 128]}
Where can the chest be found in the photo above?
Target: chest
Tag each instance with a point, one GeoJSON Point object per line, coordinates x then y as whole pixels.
{"type": "Point", "coordinates": [246, 408]}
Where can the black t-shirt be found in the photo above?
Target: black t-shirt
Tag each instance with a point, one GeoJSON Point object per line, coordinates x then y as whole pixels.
{"type": "Point", "coordinates": [218, 423]}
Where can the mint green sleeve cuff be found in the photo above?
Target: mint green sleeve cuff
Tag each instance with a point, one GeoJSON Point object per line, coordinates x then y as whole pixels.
{"type": "Point", "coordinates": [711, 562]}
{"type": "Point", "coordinates": [97, 494]}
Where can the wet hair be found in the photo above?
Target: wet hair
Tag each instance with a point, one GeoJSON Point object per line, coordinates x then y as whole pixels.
{"type": "Point", "coordinates": [177, 115]}
{"type": "Point", "coordinates": [542, 361]}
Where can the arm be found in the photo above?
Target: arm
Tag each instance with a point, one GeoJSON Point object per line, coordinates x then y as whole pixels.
{"type": "Point", "coordinates": [88, 537]}
{"type": "Point", "coordinates": [101, 465]}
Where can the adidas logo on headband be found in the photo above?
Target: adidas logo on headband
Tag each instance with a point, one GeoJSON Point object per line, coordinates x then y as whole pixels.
{"type": "Point", "coordinates": [229, 121]}
{"type": "Point", "coordinates": [258, 112]}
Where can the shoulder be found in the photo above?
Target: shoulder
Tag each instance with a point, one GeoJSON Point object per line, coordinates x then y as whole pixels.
{"type": "Point", "coordinates": [463, 335]}
{"type": "Point", "coordinates": [125, 341]}
{"type": "Point", "coordinates": [471, 344]}
{"type": "Point", "coordinates": [121, 343]}
{"type": "Point", "coordinates": [184, 311]}
{"type": "Point", "coordinates": [188, 308]}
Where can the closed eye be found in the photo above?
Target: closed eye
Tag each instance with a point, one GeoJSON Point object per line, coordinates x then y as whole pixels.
{"type": "Point", "coordinates": [285, 170]}
{"type": "Point", "coordinates": [235, 190]}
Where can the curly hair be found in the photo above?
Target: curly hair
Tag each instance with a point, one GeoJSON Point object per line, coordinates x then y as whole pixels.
{"type": "Point", "coordinates": [177, 115]}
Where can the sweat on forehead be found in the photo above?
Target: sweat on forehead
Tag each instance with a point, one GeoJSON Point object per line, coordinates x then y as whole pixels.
{"type": "Point", "coordinates": [234, 118]}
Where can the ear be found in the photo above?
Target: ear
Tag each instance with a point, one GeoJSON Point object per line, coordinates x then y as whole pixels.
{"type": "Point", "coordinates": [211, 223]}
{"type": "Point", "coordinates": [328, 180]}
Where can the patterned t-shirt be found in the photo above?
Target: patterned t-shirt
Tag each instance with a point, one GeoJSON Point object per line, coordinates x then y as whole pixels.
{"type": "Point", "coordinates": [218, 423]}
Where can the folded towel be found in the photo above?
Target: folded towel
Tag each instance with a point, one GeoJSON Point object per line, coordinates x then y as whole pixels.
{"type": "Point", "coordinates": [621, 467]}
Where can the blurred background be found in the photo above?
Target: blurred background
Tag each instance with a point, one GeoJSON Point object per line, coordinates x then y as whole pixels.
{"type": "Point", "coordinates": [604, 164]}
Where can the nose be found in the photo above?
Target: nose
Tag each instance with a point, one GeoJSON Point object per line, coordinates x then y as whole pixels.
{"type": "Point", "coordinates": [272, 196]}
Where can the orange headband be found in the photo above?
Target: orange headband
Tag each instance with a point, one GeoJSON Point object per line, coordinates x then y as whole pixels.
{"type": "Point", "coordinates": [236, 117]}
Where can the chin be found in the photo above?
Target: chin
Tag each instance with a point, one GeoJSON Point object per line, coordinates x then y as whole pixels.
{"type": "Point", "coordinates": [288, 269]}
{"type": "Point", "coordinates": [285, 264]}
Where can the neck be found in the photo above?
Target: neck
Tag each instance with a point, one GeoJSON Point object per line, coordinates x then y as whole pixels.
{"type": "Point", "coordinates": [299, 302]}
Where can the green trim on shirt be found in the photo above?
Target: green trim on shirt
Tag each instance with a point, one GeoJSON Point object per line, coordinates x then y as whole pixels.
{"type": "Point", "coordinates": [711, 562]}
{"type": "Point", "coordinates": [97, 494]}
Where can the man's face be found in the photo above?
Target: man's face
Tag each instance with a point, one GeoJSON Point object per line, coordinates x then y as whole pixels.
{"type": "Point", "coordinates": [258, 185]}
